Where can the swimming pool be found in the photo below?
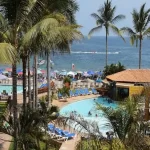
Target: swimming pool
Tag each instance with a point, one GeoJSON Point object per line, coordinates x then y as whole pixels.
{"type": "Point", "coordinates": [84, 106]}
{"type": "Point", "coordinates": [8, 88]}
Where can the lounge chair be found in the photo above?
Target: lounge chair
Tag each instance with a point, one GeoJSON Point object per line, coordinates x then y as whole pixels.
{"type": "Point", "coordinates": [76, 93]}
{"type": "Point", "coordinates": [65, 134]}
{"type": "Point", "coordinates": [87, 92]}
{"type": "Point", "coordinates": [51, 127]}
{"type": "Point", "coordinates": [59, 135]}
{"type": "Point", "coordinates": [71, 93]}
{"type": "Point", "coordinates": [68, 134]}
{"type": "Point", "coordinates": [94, 91]}
{"type": "Point", "coordinates": [82, 91]}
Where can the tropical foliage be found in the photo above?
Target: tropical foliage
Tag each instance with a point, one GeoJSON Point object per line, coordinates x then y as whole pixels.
{"type": "Point", "coordinates": [29, 126]}
{"type": "Point", "coordinates": [106, 18]}
{"type": "Point", "coordinates": [67, 80]}
{"type": "Point", "coordinates": [64, 91]}
{"type": "Point", "coordinates": [140, 29]}
{"type": "Point", "coordinates": [112, 68]}
{"type": "Point", "coordinates": [27, 26]}
{"type": "Point", "coordinates": [127, 123]}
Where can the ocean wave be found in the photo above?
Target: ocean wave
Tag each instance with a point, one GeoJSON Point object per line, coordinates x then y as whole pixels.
{"type": "Point", "coordinates": [94, 52]}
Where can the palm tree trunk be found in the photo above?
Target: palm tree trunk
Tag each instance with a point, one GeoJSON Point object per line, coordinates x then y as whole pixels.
{"type": "Point", "coordinates": [140, 53]}
{"type": "Point", "coordinates": [29, 83]}
{"type": "Point", "coordinates": [24, 63]}
{"type": "Point", "coordinates": [15, 111]}
{"type": "Point", "coordinates": [33, 91]}
{"type": "Point", "coordinates": [147, 108]}
{"type": "Point", "coordinates": [36, 87]}
{"type": "Point", "coordinates": [106, 45]}
{"type": "Point", "coordinates": [48, 79]}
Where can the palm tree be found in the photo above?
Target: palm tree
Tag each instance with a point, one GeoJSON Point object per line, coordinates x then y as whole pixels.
{"type": "Point", "coordinates": [112, 68]}
{"type": "Point", "coordinates": [126, 122]}
{"type": "Point", "coordinates": [146, 95]}
{"type": "Point", "coordinates": [105, 18]}
{"type": "Point", "coordinates": [68, 8]}
{"type": "Point", "coordinates": [29, 126]}
{"type": "Point", "coordinates": [24, 35]}
{"type": "Point", "coordinates": [141, 20]}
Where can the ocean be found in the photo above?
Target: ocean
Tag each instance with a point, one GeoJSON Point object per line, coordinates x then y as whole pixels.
{"type": "Point", "coordinates": [89, 54]}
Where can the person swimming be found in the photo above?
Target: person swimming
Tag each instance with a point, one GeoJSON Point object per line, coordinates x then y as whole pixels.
{"type": "Point", "coordinates": [89, 113]}
{"type": "Point", "coordinates": [96, 115]}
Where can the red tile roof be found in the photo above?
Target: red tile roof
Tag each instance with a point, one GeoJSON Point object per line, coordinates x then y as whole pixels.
{"type": "Point", "coordinates": [131, 75]}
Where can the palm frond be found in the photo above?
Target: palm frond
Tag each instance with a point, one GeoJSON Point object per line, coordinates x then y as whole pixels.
{"type": "Point", "coordinates": [52, 31]}
{"type": "Point", "coordinates": [116, 30]}
{"type": "Point", "coordinates": [133, 38]}
{"type": "Point", "coordinates": [118, 18]}
{"type": "Point", "coordinates": [146, 32]}
{"type": "Point", "coordinates": [42, 26]}
{"type": "Point", "coordinates": [9, 9]}
{"type": "Point", "coordinates": [128, 31]}
{"type": "Point", "coordinates": [96, 29]}
{"type": "Point", "coordinates": [67, 7]}
{"type": "Point", "coordinates": [96, 17]}
{"type": "Point", "coordinates": [8, 53]}
{"type": "Point", "coordinates": [29, 11]}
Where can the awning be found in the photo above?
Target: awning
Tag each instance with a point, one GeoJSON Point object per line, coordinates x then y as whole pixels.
{"type": "Point", "coordinates": [118, 84]}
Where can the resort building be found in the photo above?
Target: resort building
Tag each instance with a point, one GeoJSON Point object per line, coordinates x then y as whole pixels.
{"type": "Point", "coordinates": [127, 83]}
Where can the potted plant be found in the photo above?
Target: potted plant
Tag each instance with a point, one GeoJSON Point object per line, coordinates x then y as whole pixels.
{"type": "Point", "coordinates": [67, 82]}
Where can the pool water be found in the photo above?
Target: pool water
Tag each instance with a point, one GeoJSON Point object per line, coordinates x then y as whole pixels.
{"type": "Point", "coordinates": [84, 106]}
{"type": "Point", "coordinates": [8, 88]}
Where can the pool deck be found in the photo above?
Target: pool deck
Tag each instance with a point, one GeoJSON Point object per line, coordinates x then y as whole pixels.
{"type": "Point", "coordinates": [67, 145]}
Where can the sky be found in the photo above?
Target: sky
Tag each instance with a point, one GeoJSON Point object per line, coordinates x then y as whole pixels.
{"type": "Point", "coordinates": [125, 7]}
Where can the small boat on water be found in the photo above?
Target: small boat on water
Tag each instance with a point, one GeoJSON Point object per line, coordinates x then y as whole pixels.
{"type": "Point", "coordinates": [52, 63]}
{"type": "Point", "coordinates": [41, 62]}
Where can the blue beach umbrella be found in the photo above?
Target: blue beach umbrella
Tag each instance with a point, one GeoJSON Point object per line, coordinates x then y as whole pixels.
{"type": "Point", "coordinates": [98, 73]}
{"type": "Point", "coordinates": [19, 70]}
{"type": "Point", "coordinates": [1, 70]}
{"type": "Point", "coordinates": [90, 72]}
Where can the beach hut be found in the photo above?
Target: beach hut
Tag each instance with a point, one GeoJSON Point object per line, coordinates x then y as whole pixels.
{"type": "Point", "coordinates": [128, 82]}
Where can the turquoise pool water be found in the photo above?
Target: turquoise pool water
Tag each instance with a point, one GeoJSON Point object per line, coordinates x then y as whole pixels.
{"type": "Point", "coordinates": [84, 106]}
{"type": "Point", "coordinates": [8, 88]}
